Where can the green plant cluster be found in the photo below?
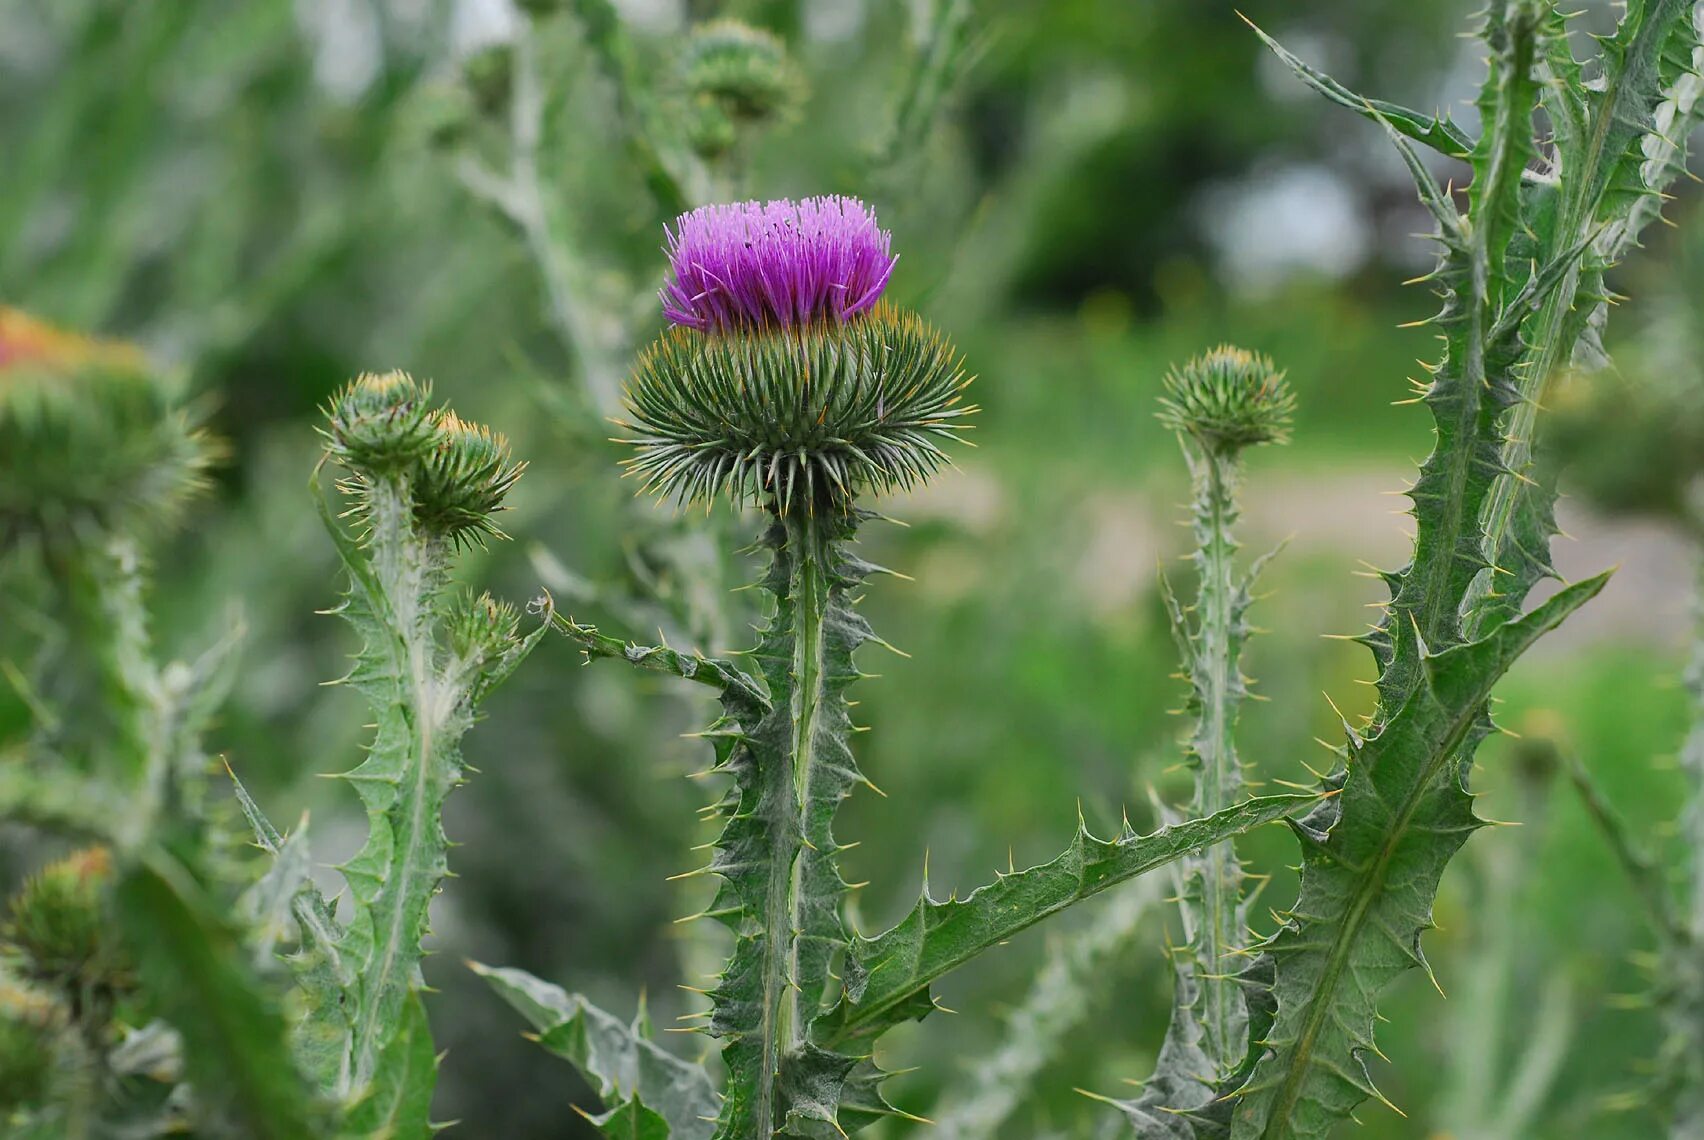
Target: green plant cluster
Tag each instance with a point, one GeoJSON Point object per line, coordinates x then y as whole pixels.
{"type": "Point", "coordinates": [186, 970]}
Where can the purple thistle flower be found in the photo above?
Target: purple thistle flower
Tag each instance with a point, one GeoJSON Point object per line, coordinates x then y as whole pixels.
{"type": "Point", "coordinates": [786, 263]}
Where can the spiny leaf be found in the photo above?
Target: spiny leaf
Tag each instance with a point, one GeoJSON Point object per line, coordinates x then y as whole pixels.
{"type": "Point", "coordinates": [646, 1084]}
{"type": "Point", "coordinates": [397, 1105]}
{"type": "Point", "coordinates": [888, 976]}
{"type": "Point", "coordinates": [1434, 131]}
{"type": "Point", "coordinates": [1368, 884]}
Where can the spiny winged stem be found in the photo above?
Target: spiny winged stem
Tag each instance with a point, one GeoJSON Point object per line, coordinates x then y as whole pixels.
{"type": "Point", "coordinates": [1218, 403]}
{"type": "Point", "coordinates": [801, 768]}
{"type": "Point", "coordinates": [402, 865]}
{"type": "Point", "coordinates": [1218, 781]}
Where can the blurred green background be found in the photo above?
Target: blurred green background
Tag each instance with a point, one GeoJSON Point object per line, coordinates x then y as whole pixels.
{"type": "Point", "coordinates": [270, 196]}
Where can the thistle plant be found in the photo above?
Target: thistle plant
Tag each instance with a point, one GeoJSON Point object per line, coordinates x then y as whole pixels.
{"type": "Point", "coordinates": [1219, 404]}
{"type": "Point", "coordinates": [128, 948]}
{"type": "Point", "coordinates": [788, 382]}
{"type": "Point", "coordinates": [421, 483]}
{"type": "Point", "coordinates": [1520, 277]}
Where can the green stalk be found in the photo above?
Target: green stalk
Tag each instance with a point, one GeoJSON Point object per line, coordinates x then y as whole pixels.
{"type": "Point", "coordinates": [1217, 872]}
{"type": "Point", "coordinates": [778, 849]}
{"type": "Point", "coordinates": [402, 564]}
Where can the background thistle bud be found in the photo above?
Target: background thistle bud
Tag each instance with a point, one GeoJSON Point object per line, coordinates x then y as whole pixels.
{"type": "Point", "coordinates": [463, 479]}
{"type": "Point", "coordinates": [742, 71]}
{"type": "Point", "coordinates": [58, 924]}
{"type": "Point", "coordinates": [1228, 398]}
{"type": "Point", "coordinates": [482, 628]}
{"type": "Point", "coordinates": [784, 376]}
{"type": "Point", "coordinates": [381, 423]}
{"type": "Point", "coordinates": [89, 436]}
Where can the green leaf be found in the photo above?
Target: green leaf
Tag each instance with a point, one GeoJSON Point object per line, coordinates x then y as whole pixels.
{"type": "Point", "coordinates": [1619, 144]}
{"type": "Point", "coordinates": [1368, 884]}
{"type": "Point", "coordinates": [397, 1105]}
{"type": "Point", "coordinates": [644, 1082]}
{"type": "Point", "coordinates": [888, 976]}
{"type": "Point", "coordinates": [631, 1121]}
{"type": "Point", "coordinates": [196, 973]}
{"type": "Point", "coordinates": [1439, 133]}
{"type": "Point", "coordinates": [325, 977]}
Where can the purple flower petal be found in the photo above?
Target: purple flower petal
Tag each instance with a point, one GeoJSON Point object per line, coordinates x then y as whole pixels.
{"type": "Point", "coordinates": [782, 262]}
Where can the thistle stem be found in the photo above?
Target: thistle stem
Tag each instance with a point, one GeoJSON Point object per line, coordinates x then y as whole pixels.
{"type": "Point", "coordinates": [1218, 778]}
{"type": "Point", "coordinates": [801, 925]}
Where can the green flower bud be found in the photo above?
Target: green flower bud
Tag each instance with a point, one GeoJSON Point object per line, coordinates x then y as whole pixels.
{"type": "Point", "coordinates": [90, 436]}
{"type": "Point", "coordinates": [1228, 398]}
{"type": "Point", "coordinates": [806, 413]}
{"type": "Point", "coordinates": [744, 71]}
{"type": "Point", "coordinates": [482, 627]}
{"type": "Point", "coordinates": [59, 925]}
{"type": "Point", "coordinates": [463, 479]}
{"type": "Point", "coordinates": [381, 423]}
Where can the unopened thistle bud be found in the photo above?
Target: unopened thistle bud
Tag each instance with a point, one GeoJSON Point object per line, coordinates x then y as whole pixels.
{"type": "Point", "coordinates": [381, 423]}
{"type": "Point", "coordinates": [462, 480]}
{"type": "Point", "coordinates": [733, 75]}
{"type": "Point", "coordinates": [59, 924]}
{"type": "Point", "coordinates": [90, 436]}
{"type": "Point", "coordinates": [785, 376]}
{"type": "Point", "coordinates": [482, 627]}
{"type": "Point", "coordinates": [1227, 399]}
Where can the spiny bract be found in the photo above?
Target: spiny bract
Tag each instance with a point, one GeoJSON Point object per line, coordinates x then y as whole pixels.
{"type": "Point", "coordinates": [797, 413]}
{"type": "Point", "coordinates": [1228, 398]}
{"type": "Point", "coordinates": [464, 479]}
{"type": "Point", "coordinates": [381, 422]}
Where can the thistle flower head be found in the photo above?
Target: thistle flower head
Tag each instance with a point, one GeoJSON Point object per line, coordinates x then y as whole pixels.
{"type": "Point", "coordinates": [1228, 398]}
{"type": "Point", "coordinates": [59, 926]}
{"type": "Point", "coordinates": [381, 422]}
{"type": "Point", "coordinates": [462, 481]}
{"type": "Point", "coordinates": [781, 263]}
{"type": "Point", "coordinates": [458, 473]}
{"type": "Point", "coordinates": [798, 414]}
{"type": "Point", "coordinates": [90, 436]}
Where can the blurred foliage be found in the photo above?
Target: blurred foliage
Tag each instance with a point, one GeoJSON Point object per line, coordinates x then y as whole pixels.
{"type": "Point", "coordinates": [257, 194]}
